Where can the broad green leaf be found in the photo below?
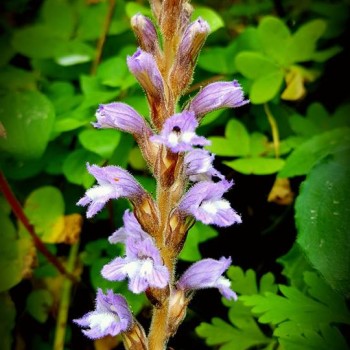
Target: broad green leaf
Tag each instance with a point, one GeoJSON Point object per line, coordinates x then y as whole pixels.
{"type": "Point", "coordinates": [18, 169]}
{"type": "Point", "coordinates": [44, 208]}
{"type": "Point", "coordinates": [13, 78]}
{"type": "Point", "coordinates": [28, 118]}
{"type": "Point", "coordinates": [325, 55]}
{"type": "Point", "coordinates": [239, 137]}
{"type": "Point", "coordinates": [304, 126]}
{"type": "Point", "coordinates": [73, 53]}
{"type": "Point", "coordinates": [6, 49]}
{"type": "Point", "coordinates": [37, 42]}
{"type": "Point", "coordinates": [323, 219]}
{"type": "Point", "coordinates": [258, 144]}
{"type": "Point", "coordinates": [310, 152]}
{"type": "Point", "coordinates": [74, 167]}
{"type": "Point", "coordinates": [213, 18]}
{"type": "Point", "coordinates": [303, 43]}
{"type": "Point", "coordinates": [39, 302]}
{"type": "Point", "coordinates": [132, 8]}
{"type": "Point", "coordinates": [102, 142]}
{"type": "Point", "coordinates": [136, 159]}
{"type": "Point", "coordinates": [14, 254]}
{"type": "Point", "coordinates": [59, 17]}
{"type": "Point", "coordinates": [254, 65]}
{"type": "Point", "coordinates": [212, 116]}
{"type": "Point", "coordinates": [221, 146]}
{"type": "Point", "coordinates": [274, 36]}
{"type": "Point", "coordinates": [199, 233]}
{"type": "Point", "coordinates": [218, 59]}
{"type": "Point", "coordinates": [7, 320]}
{"type": "Point", "coordinates": [266, 87]}
{"type": "Point", "coordinates": [256, 165]}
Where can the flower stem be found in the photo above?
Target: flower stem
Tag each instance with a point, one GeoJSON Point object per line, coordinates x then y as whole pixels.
{"type": "Point", "coordinates": [21, 216]}
{"type": "Point", "coordinates": [274, 130]}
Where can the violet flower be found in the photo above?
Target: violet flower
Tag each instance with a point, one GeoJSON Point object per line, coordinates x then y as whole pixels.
{"type": "Point", "coordinates": [217, 95]}
{"type": "Point", "coordinates": [110, 317]}
{"type": "Point", "coordinates": [120, 116]}
{"type": "Point", "coordinates": [113, 183]}
{"type": "Point", "coordinates": [131, 229]}
{"type": "Point", "coordinates": [207, 273]}
{"type": "Point", "coordinates": [143, 65]}
{"type": "Point", "coordinates": [199, 165]}
{"type": "Point", "coordinates": [204, 201]}
{"type": "Point", "coordinates": [178, 133]}
{"type": "Point", "coordinates": [142, 265]}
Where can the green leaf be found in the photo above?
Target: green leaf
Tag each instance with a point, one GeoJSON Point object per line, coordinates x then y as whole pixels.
{"type": "Point", "coordinates": [28, 118]}
{"type": "Point", "coordinates": [213, 18]}
{"type": "Point", "coordinates": [325, 55]}
{"type": "Point", "coordinates": [254, 65]}
{"type": "Point", "coordinates": [323, 306]}
{"type": "Point", "coordinates": [256, 165]}
{"type": "Point", "coordinates": [6, 49]}
{"type": "Point", "coordinates": [136, 159]}
{"type": "Point", "coordinates": [13, 78]}
{"type": "Point", "coordinates": [44, 208]}
{"type": "Point", "coordinates": [323, 219]}
{"type": "Point", "coordinates": [101, 142]}
{"type": "Point", "coordinates": [310, 152]}
{"type": "Point", "coordinates": [221, 146]}
{"type": "Point", "coordinates": [39, 302]}
{"type": "Point", "coordinates": [132, 8]}
{"type": "Point", "coordinates": [199, 233]}
{"type": "Point", "coordinates": [274, 36]}
{"type": "Point", "coordinates": [303, 43]}
{"type": "Point", "coordinates": [7, 321]}
{"type": "Point", "coordinates": [58, 17]}
{"type": "Point", "coordinates": [14, 254]}
{"type": "Point", "coordinates": [37, 42]}
{"type": "Point", "coordinates": [266, 87]}
{"type": "Point", "coordinates": [74, 167]}
{"type": "Point", "coordinates": [73, 53]}
{"type": "Point", "coordinates": [258, 144]}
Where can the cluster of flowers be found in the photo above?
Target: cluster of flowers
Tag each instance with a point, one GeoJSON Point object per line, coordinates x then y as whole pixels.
{"type": "Point", "coordinates": [155, 231]}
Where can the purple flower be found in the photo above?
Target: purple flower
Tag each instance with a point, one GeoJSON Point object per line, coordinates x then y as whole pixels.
{"type": "Point", "coordinates": [120, 116]}
{"type": "Point", "coordinates": [178, 133]}
{"type": "Point", "coordinates": [131, 229]}
{"type": "Point", "coordinates": [204, 201]}
{"type": "Point", "coordinates": [207, 273]}
{"type": "Point", "coordinates": [218, 95]}
{"type": "Point", "coordinates": [113, 182]}
{"type": "Point", "coordinates": [146, 33]}
{"type": "Point", "coordinates": [110, 317]}
{"type": "Point", "coordinates": [199, 165]}
{"type": "Point", "coordinates": [143, 65]}
{"type": "Point", "coordinates": [142, 265]}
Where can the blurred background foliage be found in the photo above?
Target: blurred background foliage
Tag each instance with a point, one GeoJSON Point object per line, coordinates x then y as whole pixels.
{"type": "Point", "coordinates": [61, 58]}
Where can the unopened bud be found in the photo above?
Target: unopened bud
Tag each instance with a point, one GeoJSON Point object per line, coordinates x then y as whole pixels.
{"type": "Point", "coordinates": [177, 310]}
{"type": "Point", "coordinates": [146, 33]}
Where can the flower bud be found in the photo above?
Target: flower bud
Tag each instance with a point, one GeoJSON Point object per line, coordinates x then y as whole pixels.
{"type": "Point", "coordinates": [146, 33]}
{"type": "Point", "coordinates": [224, 94]}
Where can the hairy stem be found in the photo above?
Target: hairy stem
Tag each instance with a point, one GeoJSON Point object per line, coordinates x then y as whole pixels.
{"type": "Point", "coordinates": [21, 216]}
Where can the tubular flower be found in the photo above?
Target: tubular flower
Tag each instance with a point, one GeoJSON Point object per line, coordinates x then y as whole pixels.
{"type": "Point", "coordinates": [120, 116]}
{"type": "Point", "coordinates": [224, 94]}
{"type": "Point", "coordinates": [143, 65]}
{"type": "Point", "coordinates": [142, 265]}
{"type": "Point", "coordinates": [113, 183]}
{"type": "Point", "coordinates": [207, 273]}
{"type": "Point", "coordinates": [178, 133]}
{"type": "Point", "coordinates": [110, 317]}
{"type": "Point", "coordinates": [199, 165]}
{"type": "Point", "coordinates": [131, 228]}
{"type": "Point", "coordinates": [204, 201]}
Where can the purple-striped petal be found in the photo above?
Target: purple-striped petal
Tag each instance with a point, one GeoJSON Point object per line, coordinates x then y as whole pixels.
{"type": "Point", "coordinates": [113, 183]}
{"type": "Point", "coordinates": [178, 133]}
{"type": "Point", "coordinates": [145, 32]}
{"type": "Point", "coordinates": [217, 95]}
{"type": "Point", "coordinates": [110, 317]}
{"type": "Point", "coordinates": [207, 273]}
{"type": "Point", "coordinates": [120, 116]}
{"type": "Point", "coordinates": [204, 201]}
